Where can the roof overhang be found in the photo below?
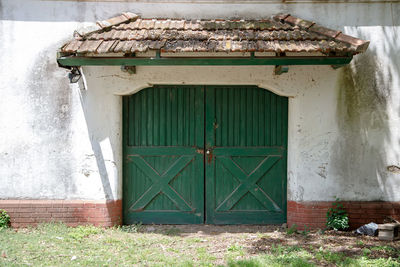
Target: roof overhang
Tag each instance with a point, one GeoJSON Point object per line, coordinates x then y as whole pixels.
{"type": "Point", "coordinates": [116, 41]}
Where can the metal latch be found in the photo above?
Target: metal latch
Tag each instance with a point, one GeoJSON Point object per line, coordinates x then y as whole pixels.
{"type": "Point", "coordinates": [200, 151]}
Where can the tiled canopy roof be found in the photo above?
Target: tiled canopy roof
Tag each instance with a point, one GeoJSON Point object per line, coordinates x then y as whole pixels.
{"type": "Point", "coordinates": [128, 33]}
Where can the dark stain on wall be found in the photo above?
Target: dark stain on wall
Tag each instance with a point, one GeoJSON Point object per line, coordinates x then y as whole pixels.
{"type": "Point", "coordinates": [50, 98]}
{"type": "Point", "coordinates": [363, 94]}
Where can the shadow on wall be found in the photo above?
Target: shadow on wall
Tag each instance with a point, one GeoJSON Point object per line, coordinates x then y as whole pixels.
{"type": "Point", "coordinates": [362, 154]}
{"type": "Point", "coordinates": [92, 106]}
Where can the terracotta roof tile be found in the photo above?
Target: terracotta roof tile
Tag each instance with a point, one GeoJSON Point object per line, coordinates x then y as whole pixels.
{"type": "Point", "coordinates": [283, 33]}
{"type": "Point", "coordinates": [106, 46]}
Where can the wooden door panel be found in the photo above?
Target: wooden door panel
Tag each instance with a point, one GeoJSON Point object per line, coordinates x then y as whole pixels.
{"type": "Point", "coordinates": [246, 131]}
{"type": "Point", "coordinates": [164, 163]}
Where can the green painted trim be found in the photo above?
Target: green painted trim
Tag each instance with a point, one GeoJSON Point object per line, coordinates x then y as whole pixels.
{"type": "Point", "coordinates": [226, 61]}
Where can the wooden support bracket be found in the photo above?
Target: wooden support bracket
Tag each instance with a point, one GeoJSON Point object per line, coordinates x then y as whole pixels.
{"type": "Point", "coordinates": [129, 69]}
{"type": "Point", "coordinates": [281, 69]}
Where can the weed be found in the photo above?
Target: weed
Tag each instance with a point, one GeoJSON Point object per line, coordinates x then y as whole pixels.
{"type": "Point", "coordinates": [383, 248]}
{"type": "Point", "coordinates": [359, 243]}
{"type": "Point", "coordinates": [193, 240]}
{"type": "Point", "coordinates": [172, 231]}
{"type": "Point", "coordinates": [4, 219]}
{"type": "Point", "coordinates": [204, 257]}
{"type": "Point", "coordinates": [331, 257]}
{"type": "Point", "coordinates": [292, 229]}
{"type": "Point", "coordinates": [235, 248]}
{"type": "Point", "coordinates": [133, 228]}
{"type": "Point", "coordinates": [306, 231]}
{"type": "Point", "coordinates": [366, 251]}
{"type": "Point", "coordinates": [336, 216]}
{"type": "Point", "coordinates": [80, 232]}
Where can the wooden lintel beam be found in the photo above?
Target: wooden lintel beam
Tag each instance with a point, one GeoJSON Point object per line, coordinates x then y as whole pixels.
{"type": "Point", "coordinates": [70, 61]}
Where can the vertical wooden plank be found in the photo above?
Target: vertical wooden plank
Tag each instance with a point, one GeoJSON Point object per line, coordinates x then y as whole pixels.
{"type": "Point", "coordinates": [243, 117]}
{"type": "Point", "coordinates": [199, 116]}
{"type": "Point", "coordinates": [225, 121]}
{"type": "Point", "coordinates": [180, 116]}
{"type": "Point", "coordinates": [168, 106]}
{"type": "Point", "coordinates": [156, 117]}
{"type": "Point", "coordinates": [192, 116]}
{"type": "Point", "coordinates": [143, 120]}
{"type": "Point", "coordinates": [249, 117]}
{"type": "Point", "coordinates": [273, 120]}
{"type": "Point", "coordinates": [231, 108]}
{"type": "Point", "coordinates": [218, 116]}
{"type": "Point", "coordinates": [186, 125]}
{"type": "Point", "coordinates": [150, 117]}
{"type": "Point", "coordinates": [256, 129]}
{"type": "Point", "coordinates": [261, 118]}
{"type": "Point", "coordinates": [136, 120]}
{"type": "Point", "coordinates": [236, 117]}
{"type": "Point", "coordinates": [163, 118]}
{"type": "Point", "coordinates": [267, 113]}
{"type": "Point", "coordinates": [279, 121]}
{"type": "Point", "coordinates": [174, 116]}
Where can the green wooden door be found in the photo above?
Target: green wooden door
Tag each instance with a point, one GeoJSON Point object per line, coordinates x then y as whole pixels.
{"type": "Point", "coordinates": [164, 163]}
{"type": "Point", "coordinates": [246, 133]}
{"type": "Point", "coordinates": [243, 130]}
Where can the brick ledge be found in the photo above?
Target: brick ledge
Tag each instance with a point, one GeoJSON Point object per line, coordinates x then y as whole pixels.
{"type": "Point", "coordinates": [25, 213]}
{"type": "Point", "coordinates": [313, 213]}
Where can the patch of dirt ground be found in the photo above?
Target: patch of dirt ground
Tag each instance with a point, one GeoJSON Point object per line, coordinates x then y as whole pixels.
{"type": "Point", "coordinates": [260, 239]}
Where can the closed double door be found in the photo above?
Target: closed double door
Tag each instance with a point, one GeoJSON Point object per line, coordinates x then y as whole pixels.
{"type": "Point", "coordinates": [204, 154]}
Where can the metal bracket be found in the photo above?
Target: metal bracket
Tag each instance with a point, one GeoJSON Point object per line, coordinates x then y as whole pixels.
{"type": "Point", "coordinates": [129, 69]}
{"type": "Point", "coordinates": [281, 69]}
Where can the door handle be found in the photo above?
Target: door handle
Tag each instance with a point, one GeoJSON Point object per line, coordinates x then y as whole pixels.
{"type": "Point", "coordinates": [208, 151]}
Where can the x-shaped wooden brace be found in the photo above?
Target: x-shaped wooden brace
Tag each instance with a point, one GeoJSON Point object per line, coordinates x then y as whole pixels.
{"type": "Point", "coordinates": [161, 183]}
{"type": "Point", "coordinates": [248, 183]}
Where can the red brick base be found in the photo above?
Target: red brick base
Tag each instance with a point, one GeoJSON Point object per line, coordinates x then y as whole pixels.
{"type": "Point", "coordinates": [25, 213]}
{"type": "Point", "coordinates": [313, 214]}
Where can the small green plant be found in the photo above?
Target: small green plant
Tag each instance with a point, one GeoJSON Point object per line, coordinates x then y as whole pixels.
{"type": "Point", "coordinates": [336, 216]}
{"type": "Point", "coordinates": [80, 232]}
{"type": "Point", "coordinates": [306, 231]}
{"type": "Point", "coordinates": [360, 243]}
{"type": "Point", "coordinates": [4, 219]}
{"type": "Point", "coordinates": [292, 229]}
{"type": "Point", "coordinates": [132, 228]}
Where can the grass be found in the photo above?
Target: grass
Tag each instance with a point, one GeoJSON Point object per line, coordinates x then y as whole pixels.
{"type": "Point", "coordinates": [59, 245]}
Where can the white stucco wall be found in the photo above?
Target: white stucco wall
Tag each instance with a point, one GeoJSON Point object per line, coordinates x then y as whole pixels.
{"type": "Point", "coordinates": [63, 141]}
